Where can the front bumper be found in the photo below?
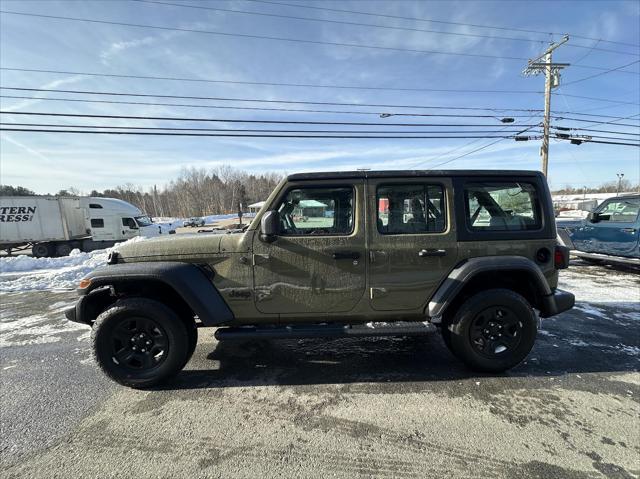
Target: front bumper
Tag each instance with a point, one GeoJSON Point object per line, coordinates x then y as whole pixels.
{"type": "Point", "coordinates": [557, 302]}
{"type": "Point", "coordinates": [75, 313]}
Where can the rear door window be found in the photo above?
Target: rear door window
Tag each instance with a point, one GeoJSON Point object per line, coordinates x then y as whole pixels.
{"type": "Point", "coordinates": [502, 206]}
{"type": "Point", "coordinates": [410, 209]}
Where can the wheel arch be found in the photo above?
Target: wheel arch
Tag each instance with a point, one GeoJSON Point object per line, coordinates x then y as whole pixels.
{"type": "Point", "coordinates": [185, 287]}
{"type": "Point", "coordinates": [515, 273]}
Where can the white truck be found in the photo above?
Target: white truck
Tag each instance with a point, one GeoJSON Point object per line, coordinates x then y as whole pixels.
{"type": "Point", "coordinates": [53, 226]}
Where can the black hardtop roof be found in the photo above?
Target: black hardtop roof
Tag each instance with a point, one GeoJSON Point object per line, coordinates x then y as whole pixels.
{"type": "Point", "coordinates": [330, 175]}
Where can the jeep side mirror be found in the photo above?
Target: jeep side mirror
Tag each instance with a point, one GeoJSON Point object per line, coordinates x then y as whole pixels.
{"type": "Point", "coordinates": [270, 226]}
{"type": "Point", "coordinates": [593, 217]}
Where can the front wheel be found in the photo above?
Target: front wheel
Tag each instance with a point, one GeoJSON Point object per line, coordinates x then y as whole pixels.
{"type": "Point", "coordinates": [140, 342]}
{"type": "Point", "coordinates": [493, 330]}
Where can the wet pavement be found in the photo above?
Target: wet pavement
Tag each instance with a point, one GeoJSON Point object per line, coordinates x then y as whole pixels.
{"type": "Point", "coordinates": [383, 407]}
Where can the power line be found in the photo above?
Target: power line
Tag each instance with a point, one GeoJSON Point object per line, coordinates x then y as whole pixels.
{"type": "Point", "coordinates": [286, 39]}
{"type": "Point", "coordinates": [615, 122]}
{"type": "Point", "coordinates": [240, 135]}
{"type": "Point", "coordinates": [493, 27]}
{"type": "Point", "coordinates": [621, 102]}
{"type": "Point", "coordinates": [582, 120]}
{"type": "Point", "coordinates": [83, 100]}
{"type": "Point", "coordinates": [502, 139]}
{"type": "Point", "coordinates": [302, 85]}
{"type": "Point", "coordinates": [227, 120]}
{"type": "Point", "coordinates": [238, 82]}
{"type": "Point", "coordinates": [254, 100]}
{"type": "Point", "coordinates": [564, 128]}
{"type": "Point", "coordinates": [115, 130]}
{"type": "Point", "coordinates": [582, 140]}
{"type": "Point", "coordinates": [157, 128]}
{"type": "Point", "coordinates": [565, 136]}
{"type": "Point", "coordinates": [389, 27]}
{"type": "Point", "coordinates": [260, 37]}
{"type": "Point", "coordinates": [601, 73]}
{"type": "Point", "coordinates": [300, 102]}
{"type": "Point", "coordinates": [469, 152]}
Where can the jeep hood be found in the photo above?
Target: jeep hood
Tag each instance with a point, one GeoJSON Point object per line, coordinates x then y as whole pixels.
{"type": "Point", "coordinates": [179, 247]}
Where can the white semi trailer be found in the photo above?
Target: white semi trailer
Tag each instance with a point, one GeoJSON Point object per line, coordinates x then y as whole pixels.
{"type": "Point", "coordinates": [53, 226]}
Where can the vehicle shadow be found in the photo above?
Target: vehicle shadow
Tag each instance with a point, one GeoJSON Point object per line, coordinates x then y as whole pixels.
{"type": "Point", "coordinates": [567, 346]}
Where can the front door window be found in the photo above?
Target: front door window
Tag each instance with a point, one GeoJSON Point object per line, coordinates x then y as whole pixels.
{"type": "Point", "coordinates": [317, 212]}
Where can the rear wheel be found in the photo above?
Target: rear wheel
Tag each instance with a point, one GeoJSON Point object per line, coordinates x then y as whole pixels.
{"type": "Point", "coordinates": [41, 250]}
{"type": "Point", "coordinates": [493, 330]}
{"type": "Point", "coordinates": [63, 249]}
{"type": "Point", "coordinates": [140, 342]}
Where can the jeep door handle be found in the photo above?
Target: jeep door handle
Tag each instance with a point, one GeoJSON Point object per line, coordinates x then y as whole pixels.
{"type": "Point", "coordinates": [346, 255]}
{"type": "Point", "coordinates": [431, 252]}
{"type": "Point", "coordinates": [628, 230]}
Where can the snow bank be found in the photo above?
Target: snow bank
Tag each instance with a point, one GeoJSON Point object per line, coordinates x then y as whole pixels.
{"type": "Point", "coordinates": [600, 285]}
{"type": "Point", "coordinates": [24, 273]}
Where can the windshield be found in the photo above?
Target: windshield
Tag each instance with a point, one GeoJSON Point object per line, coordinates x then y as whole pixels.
{"type": "Point", "coordinates": [143, 221]}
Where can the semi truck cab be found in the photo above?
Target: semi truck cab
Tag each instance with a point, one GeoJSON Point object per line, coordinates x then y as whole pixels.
{"type": "Point", "coordinates": [111, 219]}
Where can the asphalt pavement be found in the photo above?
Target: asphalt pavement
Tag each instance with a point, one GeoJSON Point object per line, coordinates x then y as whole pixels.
{"type": "Point", "coordinates": [368, 407]}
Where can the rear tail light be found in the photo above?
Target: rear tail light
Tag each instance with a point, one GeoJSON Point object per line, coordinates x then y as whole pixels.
{"type": "Point", "coordinates": [561, 257]}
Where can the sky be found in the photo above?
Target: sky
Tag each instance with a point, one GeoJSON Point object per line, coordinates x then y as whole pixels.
{"type": "Point", "coordinates": [48, 162]}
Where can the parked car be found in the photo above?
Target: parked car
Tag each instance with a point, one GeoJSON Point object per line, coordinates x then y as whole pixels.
{"type": "Point", "coordinates": [610, 233]}
{"type": "Point", "coordinates": [194, 222]}
{"type": "Point", "coordinates": [470, 253]}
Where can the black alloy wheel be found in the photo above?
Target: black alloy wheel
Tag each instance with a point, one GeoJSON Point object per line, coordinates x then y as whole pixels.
{"type": "Point", "coordinates": [139, 344]}
{"type": "Point", "coordinates": [495, 331]}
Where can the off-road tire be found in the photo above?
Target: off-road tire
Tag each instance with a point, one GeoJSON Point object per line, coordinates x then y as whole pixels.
{"type": "Point", "coordinates": [174, 332]}
{"type": "Point", "coordinates": [477, 310]}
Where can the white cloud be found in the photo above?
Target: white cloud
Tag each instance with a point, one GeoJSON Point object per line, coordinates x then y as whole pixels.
{"type": "Point", "coordinates": [116, 48]}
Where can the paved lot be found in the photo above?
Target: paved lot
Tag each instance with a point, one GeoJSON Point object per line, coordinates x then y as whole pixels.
{"type": "Point", "coordinates": [392, 407]}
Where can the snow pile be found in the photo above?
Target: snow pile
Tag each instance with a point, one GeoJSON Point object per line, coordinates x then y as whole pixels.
{"type": "Point", "coordinates": [599, 285]}
{"type": "Point", "coordinates": [24, 273]}
{"type": "Point", "coordinates": [25, 263]}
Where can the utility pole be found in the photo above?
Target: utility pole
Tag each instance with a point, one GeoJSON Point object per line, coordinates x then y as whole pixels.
{"type": "Point", "coordinates": [552, 80]}
{"type": "Point", "coordinates": [620, 176]}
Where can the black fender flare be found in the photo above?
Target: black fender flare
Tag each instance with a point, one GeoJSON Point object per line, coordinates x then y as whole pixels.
{"type": "Point", "coordinates": [189, 281]}
{"type": "Point", "coordinates": [464, 272]}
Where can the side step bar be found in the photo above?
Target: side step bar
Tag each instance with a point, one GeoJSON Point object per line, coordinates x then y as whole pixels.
{"type": "Point", "coordinates": [325, 331]}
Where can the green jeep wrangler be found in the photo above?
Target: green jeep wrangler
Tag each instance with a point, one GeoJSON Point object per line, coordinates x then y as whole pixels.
{"type": "Point", "coordinates": [472, 253]}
